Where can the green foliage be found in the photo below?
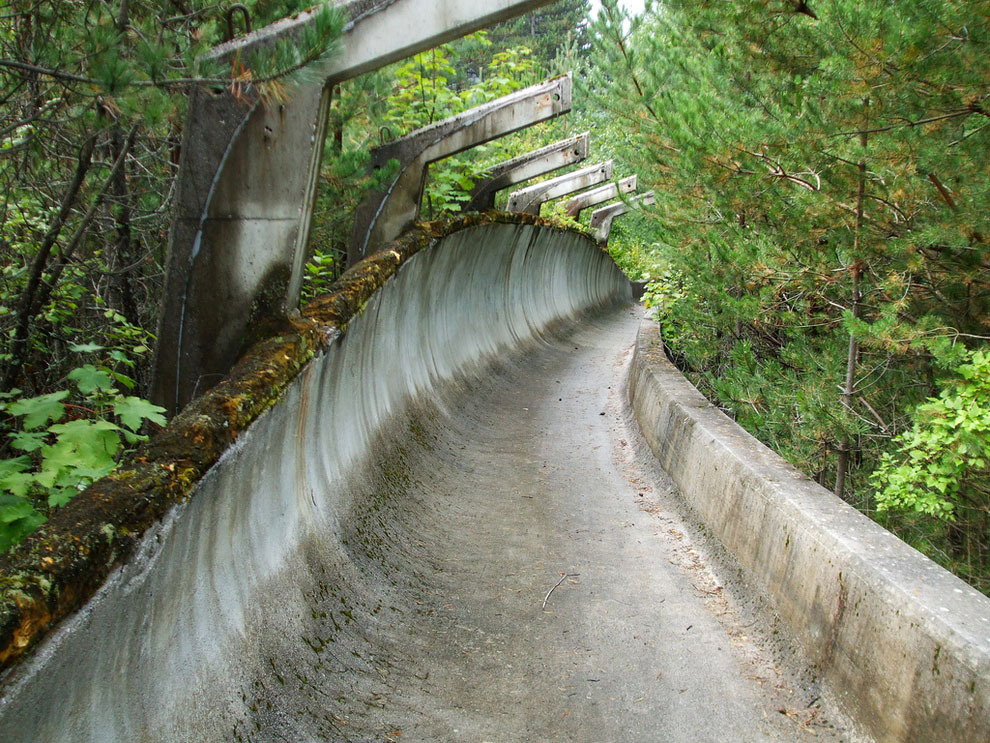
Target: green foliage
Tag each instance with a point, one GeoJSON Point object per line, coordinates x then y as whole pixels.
{"type": "Point", "coordinates": [291, 62]}
{"type": "Point", "coordinates": [822, 182]}
{"type": "Point", "coordinates": [93, 94]}
{"type": "Point", "coordinates": [941, 465]}
{"type": "Point", "coordinates": [61, 441]}
{"type": "Point", "coordinates": [423, 94]}
{"type": "Point", "coordinates": [547, 31]}
{"type": "Point", "coordinates": [321, 271]}
{"type": "Point", "coordinates": [638, 258]}
{"type": "Point", "coordinates": [392, 102]}
{"type": "Point", "coordinates": [89, 141]}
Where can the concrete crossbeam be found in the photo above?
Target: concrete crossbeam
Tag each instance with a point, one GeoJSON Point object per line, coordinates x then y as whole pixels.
{"type": "Point", "coordinates": [247, 179]}
{"type": "Point", "coordinates": [520, 169]}
{"type": "Point", "coordinates": [384, 215]}
{"type": "Point", "coordinates": [530, 199]}
{"type": "Point", "coordinates": [600, 195]}
{"type": "Point", "coordinates": [601, 219]}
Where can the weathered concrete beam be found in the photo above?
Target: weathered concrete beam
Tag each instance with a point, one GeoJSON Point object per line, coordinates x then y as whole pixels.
{"type": "Point", "coordinates": [601, 219]}
{"type": "Point", "coordinates": [530, 199]}
{"type": "Point", "coordinates": [385, 214]}
{"type": "Point", "coordinates": [247, 179]}
{"type": "Point", "coordinates": [519, 169]}
{"type": "Point", "coordinates": [600, 195]}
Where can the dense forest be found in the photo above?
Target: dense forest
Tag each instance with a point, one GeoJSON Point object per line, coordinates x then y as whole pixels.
{"type": "Point", "coordinates": [817, 257]}
{"type": "Point", "coordinates": [819, 250]}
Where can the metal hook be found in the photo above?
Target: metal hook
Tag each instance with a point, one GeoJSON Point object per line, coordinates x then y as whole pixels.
{"type": "Point", "coordinates": [230, 19]}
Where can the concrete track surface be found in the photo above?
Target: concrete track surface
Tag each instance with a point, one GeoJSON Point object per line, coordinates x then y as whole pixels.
{"type": "Point", "coordinates": [447, 530]}
{"type": "Point", "coordinates": [542, 584]}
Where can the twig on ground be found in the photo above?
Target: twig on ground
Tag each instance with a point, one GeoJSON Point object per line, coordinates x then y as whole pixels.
{"type": "Point", "coordinates": [563, 577]}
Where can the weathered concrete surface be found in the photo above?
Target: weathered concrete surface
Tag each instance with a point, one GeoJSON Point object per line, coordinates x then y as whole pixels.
{"type": "Point", "coordinates": [244, 195]}
{"type": "Point", "coordinates": [519, 169]}
{"type": "Point", "coordinates": [55, 570]}
{"type": "Point", "coordinates": [285, 540]}
{"type": "Point", "coordinates": [600, 195]}
{"type": "Point", "coordinates": [906, 644]}
{"type": "Point", "coordinates": [384, 215]}
{"type": "Point", "coordinates": [601, 219]}
{"type": "Point", "coordinates": [529, 200]}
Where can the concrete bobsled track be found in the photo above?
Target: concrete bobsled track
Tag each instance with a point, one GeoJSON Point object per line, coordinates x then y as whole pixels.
{"type": "Point", "coordinates": [421, 513]}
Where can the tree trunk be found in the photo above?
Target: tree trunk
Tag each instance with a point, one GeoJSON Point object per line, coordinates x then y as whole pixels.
{"type": "Point", "coordinates": [29, 297]}
{"type": "Point", "coordinates": [124, 253]}
{"type": "Point", "coordinates": [852, 356]}
{"type": "Point", "coordinates": [849, 387]}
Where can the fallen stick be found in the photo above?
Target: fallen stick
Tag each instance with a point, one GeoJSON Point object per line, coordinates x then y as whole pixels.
{"type": "Point", "coordinates": [563, 577]}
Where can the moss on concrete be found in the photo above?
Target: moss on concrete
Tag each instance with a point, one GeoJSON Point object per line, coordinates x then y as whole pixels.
{"type": "Point", "coordinates": [57, 569]}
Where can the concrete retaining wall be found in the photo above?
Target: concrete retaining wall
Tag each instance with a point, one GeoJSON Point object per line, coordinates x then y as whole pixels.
{"type": "Point", "coordinates": [904, 644]}
{"type": "Point", "coordinates": [192, 632]}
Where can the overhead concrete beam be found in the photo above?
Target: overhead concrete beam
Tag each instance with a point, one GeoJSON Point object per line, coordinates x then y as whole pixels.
{"type": "Point", "coordinates": [247, 179]}
{"type": "Point", "coordinates": [530, 199]}
{"type": "Point", "coordinates": [600, 195]}
{"type": "Point", "coordinates": [601, 219]}
{"type": "Point", "coordinates": [384, 215]}
{"type": "Point", "coordinates": [520, 169]}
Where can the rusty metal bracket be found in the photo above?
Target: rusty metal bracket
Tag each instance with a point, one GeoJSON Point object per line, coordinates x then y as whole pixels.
{"type": "Point", "coordinates": [230, 19]}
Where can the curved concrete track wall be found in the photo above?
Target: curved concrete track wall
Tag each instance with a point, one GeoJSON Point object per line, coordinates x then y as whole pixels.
{"type": "Point", "coordinates": [904, 642]}
{"type": "Point", "coordinates": [237, 578]}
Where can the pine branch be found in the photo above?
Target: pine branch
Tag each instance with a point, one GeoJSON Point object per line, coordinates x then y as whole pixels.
{"type": "Point", "coordinates": [908, 123]}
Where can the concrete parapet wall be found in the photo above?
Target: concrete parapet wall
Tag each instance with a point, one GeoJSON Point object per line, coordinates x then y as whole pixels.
{"type": "Point", "coordinates": [902, 643]}
{"type": "Point", "coordinates": [149, 608]}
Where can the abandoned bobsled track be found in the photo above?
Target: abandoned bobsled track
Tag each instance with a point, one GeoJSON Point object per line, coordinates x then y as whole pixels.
{"type": "Point", "coordinates": [444, 526]}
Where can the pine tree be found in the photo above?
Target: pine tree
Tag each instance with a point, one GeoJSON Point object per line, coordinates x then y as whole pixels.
{"type": "Point", "coordinates": [546, 31]}
{"type": "Point", "coordinates": [823, 176]}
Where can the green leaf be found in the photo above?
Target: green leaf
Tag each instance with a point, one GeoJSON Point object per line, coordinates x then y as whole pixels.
{"type": "Point", "coordinates": [27, 440]}
{"type": "Point", "coordinates": [13, 466]}
{"type": "Point", "coordinates": [133, 411]}
{"type": "Point", "coordinates": [13, 508]}
{"type": "Point", "coordinates": [85, 347]}
{"type": "Point", "coordinates": [19, 483]}
{"type": "Point", "coordinates": [124, 380]}
{"type": "Point", "coordinates": [118, 355]}
{"type": "Point", "coordinates": [90, 379]}
{"type": "Point", "coordinates": [84, 450]}
{"type": "Point", "coordinates": [58, 497]}
{"type": "Point", "coordinates": [18, 518]}
{"type": "Point", "coordinates": [15, 477]}
{"type": "Point", "coordinates": [37, 411]}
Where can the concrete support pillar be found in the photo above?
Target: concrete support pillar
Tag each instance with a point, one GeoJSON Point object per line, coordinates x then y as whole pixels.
{"type": "Point", "coordinates": [384, 215]}
{"type": "Point", "coordinates": [244, 195]}
{"type": "Point", "coordinates": [601, 219]}
{"type": "Point", "coordinates": [600, 195]}
{"type": "Point", "coordinates": [530, 199]}
{"type": "Point", "coordinates": [520, 169]}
